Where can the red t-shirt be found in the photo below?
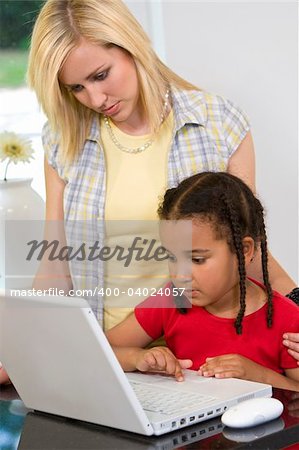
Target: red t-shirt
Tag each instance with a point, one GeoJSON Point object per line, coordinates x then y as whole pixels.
{"type": "Point", "coordinates": [198, 334]}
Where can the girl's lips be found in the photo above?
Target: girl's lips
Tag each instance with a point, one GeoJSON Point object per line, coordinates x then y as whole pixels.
{"type": "Point", "coordinates": [195, 293]}
{"type": "Point", "coordinates": [112, 110]}
{"type": "Point", "coordinates": [191, 292]}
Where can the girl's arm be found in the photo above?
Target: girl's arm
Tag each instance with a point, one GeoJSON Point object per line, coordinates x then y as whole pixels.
{"type": "Point", "coordinates": [242, 164]}
{"type": "Point", "coordinates": [237, 366]}
{"type": "Point", "coordinates": [293, 375]}
{"type": "Point", "coordinates": [128, 340]}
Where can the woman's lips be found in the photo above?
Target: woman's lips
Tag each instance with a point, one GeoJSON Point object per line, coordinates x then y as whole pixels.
{"type": "Point", "coordinates": [112, 109]}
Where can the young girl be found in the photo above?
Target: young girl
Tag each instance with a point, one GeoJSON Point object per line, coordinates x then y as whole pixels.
{"type": "Point", "coordinates": [225, 325]}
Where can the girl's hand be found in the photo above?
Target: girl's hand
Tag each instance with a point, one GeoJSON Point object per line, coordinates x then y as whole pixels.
{"type": "Point", "coordinates": [232, 366]}
{"type": "Point", "coordinates": [161, 359]}
{"type": "Point", "coordinates": [291, 341]}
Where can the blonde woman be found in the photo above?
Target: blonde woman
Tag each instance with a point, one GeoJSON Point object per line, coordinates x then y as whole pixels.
{"type": "Point", "coordinates": [122, 127]}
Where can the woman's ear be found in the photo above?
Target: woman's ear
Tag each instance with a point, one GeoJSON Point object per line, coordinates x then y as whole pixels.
{"type": "Point", "coordinates": [248, 249]}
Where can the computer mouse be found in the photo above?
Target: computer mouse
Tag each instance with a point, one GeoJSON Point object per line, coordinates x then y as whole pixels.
{"type": "Point", "coordinates": [252, 433]}
{"type": "Point", "coordinates": [252, 412]}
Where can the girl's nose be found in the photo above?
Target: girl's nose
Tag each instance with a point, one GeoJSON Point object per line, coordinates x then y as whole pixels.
{"type": "Point", "coordinates": [183, 272]}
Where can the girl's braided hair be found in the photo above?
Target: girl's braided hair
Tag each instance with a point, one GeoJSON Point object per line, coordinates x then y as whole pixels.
{"type": "Point", "coordinates": [234, 212]}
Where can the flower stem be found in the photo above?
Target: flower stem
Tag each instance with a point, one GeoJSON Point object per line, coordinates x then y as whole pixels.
{"type": "Point", "coordinates": [5, 173]}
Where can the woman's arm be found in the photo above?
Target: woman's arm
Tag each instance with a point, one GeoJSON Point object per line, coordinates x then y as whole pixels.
{"type": "Point", "coordinates": [53, 273]}
{"type": "Point", "coordinates": [54, 193]}
{"type": "Point", "coordinates": [3, 376]}
{"type": "Point", "coordinates": [242, 164]}
{"type": "Point", "coordinates": [279, 279]}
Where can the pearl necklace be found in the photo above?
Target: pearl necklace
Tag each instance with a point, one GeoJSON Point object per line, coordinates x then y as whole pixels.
{"type": "Point", "coordinates": [142, 147]}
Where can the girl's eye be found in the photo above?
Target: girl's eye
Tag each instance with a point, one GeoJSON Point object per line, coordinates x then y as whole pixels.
{"type": "Point", "coordinates": [198, 260]}
{"type": "Point", "coordinates": [171, 258]}
{"type": "Point", "coordinates": [101, 76]}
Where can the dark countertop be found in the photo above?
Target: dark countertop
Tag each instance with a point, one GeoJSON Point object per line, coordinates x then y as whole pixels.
{"type": "Point", "coordinates": [23, 429]}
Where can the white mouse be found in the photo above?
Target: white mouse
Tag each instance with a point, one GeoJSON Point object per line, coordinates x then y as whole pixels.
{"type": "Point", "coordinates": [252, 412]}
{"type": "Point", "coordinates": [252, 433]}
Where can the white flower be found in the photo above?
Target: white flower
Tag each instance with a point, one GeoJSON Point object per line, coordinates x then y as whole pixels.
{"type": "Point", "coordinates": [15, 148]}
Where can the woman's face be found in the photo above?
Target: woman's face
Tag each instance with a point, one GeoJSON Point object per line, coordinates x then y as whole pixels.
{"type": "Point", "coordinates": [104, 80]}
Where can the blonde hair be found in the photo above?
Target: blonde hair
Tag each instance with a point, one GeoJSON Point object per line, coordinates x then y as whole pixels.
{"type": "Point", "coordinates": [57, 31]}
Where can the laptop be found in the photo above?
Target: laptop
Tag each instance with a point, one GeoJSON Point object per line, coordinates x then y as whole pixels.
{"type": "Point", "coordinates": [61, 363]}
{"type": "Point", "coordinates": [48, 432]}
{"type": "Point", "coordinates": [43, 431]}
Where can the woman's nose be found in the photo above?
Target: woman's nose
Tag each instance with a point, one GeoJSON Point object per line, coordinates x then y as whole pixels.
{"type": "Point", "coordinates": [97, 98]}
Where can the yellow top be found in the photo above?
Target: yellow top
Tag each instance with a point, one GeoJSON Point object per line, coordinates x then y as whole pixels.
{"type": "Point", "coordinates": [136, 183]}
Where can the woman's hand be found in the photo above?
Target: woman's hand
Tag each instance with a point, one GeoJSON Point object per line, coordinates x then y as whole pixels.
{"type": "Point", "coordinates": [232, 366]}
{"type": "Point", "coordinates": [161, 359]}
{"type": "Point", "coordinates": [4, 379]}
{"type": "Point", "coordinates": [291, 341]}
{"type": "Point", "coordinates": [293, 405]}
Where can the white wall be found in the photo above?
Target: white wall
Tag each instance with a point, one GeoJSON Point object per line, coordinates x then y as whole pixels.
{"type": "Point", "coordinates": [248, 52]}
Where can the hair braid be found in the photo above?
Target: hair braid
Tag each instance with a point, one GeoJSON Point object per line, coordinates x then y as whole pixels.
{"type": "Point", "coordinates": [264, 259]}
{"type": "Point", "coordinates": [237, 241]}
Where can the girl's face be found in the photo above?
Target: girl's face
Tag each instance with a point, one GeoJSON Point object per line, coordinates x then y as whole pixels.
{"type": "Point", "coordinates": [203, 265]}
{"type": "Point", "coordinates": [103, 79]}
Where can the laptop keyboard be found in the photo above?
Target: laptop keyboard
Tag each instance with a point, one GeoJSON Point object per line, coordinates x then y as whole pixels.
{"type": "Point", "coordinates": [167, 401]}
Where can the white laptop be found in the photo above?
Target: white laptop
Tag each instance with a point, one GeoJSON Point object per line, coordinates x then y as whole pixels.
{"type": "Point", "coordinates": [60, 362]}
{"type": "Point", "coordinates": [48, 432]}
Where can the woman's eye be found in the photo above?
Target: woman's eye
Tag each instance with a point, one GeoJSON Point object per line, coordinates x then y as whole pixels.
{"type": "Point", "coordinates": [101, 76]}
{"type": "Point", "coordinates": [76, 88]}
